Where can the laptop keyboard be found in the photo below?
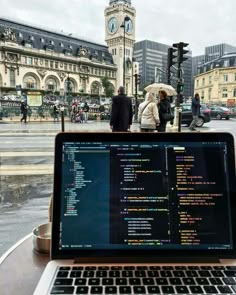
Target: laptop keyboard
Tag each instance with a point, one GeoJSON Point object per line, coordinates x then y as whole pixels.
{"type": "Point", "coordinates": [145, 280]}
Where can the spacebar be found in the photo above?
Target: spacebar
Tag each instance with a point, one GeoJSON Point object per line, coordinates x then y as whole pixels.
{"type": "Point", "coordinates": [62, 290]}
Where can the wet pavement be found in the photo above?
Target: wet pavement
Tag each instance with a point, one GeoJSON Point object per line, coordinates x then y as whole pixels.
{"type": "Point", "coordinates": [26, 172]}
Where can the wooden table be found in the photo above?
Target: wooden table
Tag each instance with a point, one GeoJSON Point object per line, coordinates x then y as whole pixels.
{"type": "Point", "coordinates": [21, 270]}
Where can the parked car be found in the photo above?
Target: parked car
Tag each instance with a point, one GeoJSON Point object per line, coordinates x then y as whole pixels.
{"type": "Point", "coordinates": [220, 113]}
{"type": "Point", "coordinates": [187, 117]}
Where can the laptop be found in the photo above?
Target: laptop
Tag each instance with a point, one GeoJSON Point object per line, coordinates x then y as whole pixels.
{"type": "Point", "coordinates": [143, 213]}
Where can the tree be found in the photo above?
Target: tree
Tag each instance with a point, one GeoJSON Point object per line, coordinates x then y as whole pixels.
{"type": "Point", "coordinates": [108, 87]}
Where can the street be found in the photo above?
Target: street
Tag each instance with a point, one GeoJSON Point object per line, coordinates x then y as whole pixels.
{"type": "Point", "coordinates": [26, 171]}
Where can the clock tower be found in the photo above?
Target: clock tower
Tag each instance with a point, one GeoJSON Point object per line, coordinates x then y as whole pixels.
{"type": "Point", "coordinates": [120, 37]}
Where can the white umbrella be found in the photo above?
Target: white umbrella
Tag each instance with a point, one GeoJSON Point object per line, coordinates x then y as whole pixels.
{"type": "Point", "coordinates": [156, 87]}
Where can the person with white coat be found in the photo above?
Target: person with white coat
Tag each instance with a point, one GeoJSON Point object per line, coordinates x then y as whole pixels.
{"type": "Point", "coordinates": [148, 115]}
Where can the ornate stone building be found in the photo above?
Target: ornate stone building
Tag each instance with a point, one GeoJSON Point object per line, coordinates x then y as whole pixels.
{"type": "Point", "coordinates": [41, 60]}
{"type": "Point", "coordinates": [216, 81]}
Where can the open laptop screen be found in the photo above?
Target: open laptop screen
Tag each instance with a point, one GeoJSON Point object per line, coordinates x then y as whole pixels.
{"type": "Point", "coordinates": [167, 195]}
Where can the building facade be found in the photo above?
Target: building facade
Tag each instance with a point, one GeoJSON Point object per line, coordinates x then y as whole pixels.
{"type": "Point", "coordinates": [120, 18]}
{"type": "Point", "coordinates": [152, 59]}
{"type": "Point", "coordinates": [216, 82]}
{"type": "Point", "coordinates": [49, 62]}
{"type": "Point", "coordinates": [216, 51]}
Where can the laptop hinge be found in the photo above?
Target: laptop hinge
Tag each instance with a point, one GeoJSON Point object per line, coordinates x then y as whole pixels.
{"type": "Point", "coordinates": [114, 260]}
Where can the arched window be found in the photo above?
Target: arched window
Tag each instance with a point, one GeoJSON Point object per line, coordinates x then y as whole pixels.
{"type": "Point", "coordinates": [234, 92]}
{"type": "Point", "coordinates": [95, 88]}
{"type": "Point", "coordinates": [51, 85]}
{"type": "Point", "coordinates": [30, 82]}
{"type": "Point", "coordinates": [69, 85]}
{"type": "Point", "coordinates": [224, 93]}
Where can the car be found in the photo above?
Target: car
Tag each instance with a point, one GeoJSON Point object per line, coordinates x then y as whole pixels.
{"type": "Point", "coordinates": [187, 117]}
{"type": "Point", "coordinates": [220, 112]}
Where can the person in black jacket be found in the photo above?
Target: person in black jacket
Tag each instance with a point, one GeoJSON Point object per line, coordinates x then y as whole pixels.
{"type": "Point", "coordinates": [163, 107]}
{"type": "Point", "coordinates": [121, 113]}
{"type": "Point", "coordinates": [24, 111]}
{"type": "Point", "coordinates": [195, 111]}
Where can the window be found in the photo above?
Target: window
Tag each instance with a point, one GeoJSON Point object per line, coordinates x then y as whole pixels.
{"type": "Point", "coordinates": [203, 94]}
{"type": "Point", "coordinates": [51, 64]}
{"type": "Point", "coordinates": [70, 67]}
{"type": "Point", "coordinates": [226, 63]}
{"type": "Point", "coordinates": [96, 71]}
{"type": "Point", "coordinates": [65, 66]}
{"type": "Point", "coordinates": [42, 40]}
{"type": "Point", "coordinates": [30, 82]}
{"type": "Point", "coordinates": [203, 82]}
{"type": "Point", "coordinates": [12, 78]}
{"type": "Point", "coordinates": [210, 79]}
{"type": "Point", "coordinates": [225, 78]}
{"type": "Point", "coordinates": [51, 85]}
{"type": "Point", "coordinates": [46, 63]}
{"type": "Point", "coordinates": [99, 72]}
{"type": "Point", "coordinates": [224, 93]}
{"type": "Point", "coordinates": [234, 92]}
{"type": "Point", "coordinates": [61, 44]}
{"type": "Point", "coordinates": [197, 83]}
{"type": "Point", "coordinates": [209, 94]}
{"type": "Point", "coordinates": [74, 68]}
{"type": "Point", "coordinates": [56, 65]}
{"type": "Point", "coordinates": [95, 88]}
{"type": "Point", "coordinates": [29, 61]}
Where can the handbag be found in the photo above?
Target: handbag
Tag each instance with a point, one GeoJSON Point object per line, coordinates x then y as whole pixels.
{"type": "Point", "coordinates": [169, 115]}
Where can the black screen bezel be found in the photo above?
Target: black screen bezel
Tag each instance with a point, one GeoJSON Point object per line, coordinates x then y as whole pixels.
{"type": "Point", "coordinates": [56, 253]}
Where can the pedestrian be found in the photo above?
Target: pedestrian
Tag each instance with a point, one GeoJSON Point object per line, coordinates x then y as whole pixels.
{"type": "Point", "coordinates": [195, 111]}
{"type": "Point", "coordinates": [86, 112]}
{"type": "Point", "coordinates": [121, 112]}
{"type": "Point", "coordinates": [74, 110]}
{"type": "Point", "coordinates": [148, 115]}
{"type": "Point", "coordinates": [24, 111]}
{"type": "Point", "coordinates": [165, 112]}
{"type": "Point", "coordinates": [56, 112]}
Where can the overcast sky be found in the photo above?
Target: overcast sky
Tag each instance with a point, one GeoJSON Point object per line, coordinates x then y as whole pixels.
{"type": "Point", "coordinates": [200, 23]}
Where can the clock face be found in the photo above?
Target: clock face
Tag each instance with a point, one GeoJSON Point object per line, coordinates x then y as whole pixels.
{"type": "Point", "coordinates": [112, 25]}
{"type": "Point", "coordinates": [129, 26]}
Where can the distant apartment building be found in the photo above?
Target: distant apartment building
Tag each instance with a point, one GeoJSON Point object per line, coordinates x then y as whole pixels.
{"type": "Point", "coordinates": [216, 81]}
{"type": "Point", "coordinates": [152, 59]}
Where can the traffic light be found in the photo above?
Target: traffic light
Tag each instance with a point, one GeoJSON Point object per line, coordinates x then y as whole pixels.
{"type": "Point", "coordinates": [181, 51]}
{"type": "Point", "coordinates": [180, 87]}
{"type": "Point", "coordinates": [137, 79]}
{"type": "Point", "coordinates": [172, 58]}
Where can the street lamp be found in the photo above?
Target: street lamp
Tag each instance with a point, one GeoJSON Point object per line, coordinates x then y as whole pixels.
{"type": "Point", "coordinates": [126, 19]}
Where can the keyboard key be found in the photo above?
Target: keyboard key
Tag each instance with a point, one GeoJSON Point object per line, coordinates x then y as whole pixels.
{"type": "Point", "coordinates": [103, 268]}
{"type": "Point", "coordinates": [231, 267]}
{"type": "Point", "coordinates": [216, 281]}
{"type": "Point", "coordinates": [182, 290]}
{"type": "Point", "coordinates": [175, 281]}
{"type": "Point", "coordinates": [154, 268]}
{"type": "Point", "coordinates": [64, 268]}
{"type": "Point", "coordinates": [62, 274]}
{"type": "Point", "coordinates": [153, 290]}
{"type": "Point", "coordinates": [63, 282]}
{"type": "Point", "coordinates": [161, 281]}
{"type": "Point", "coordinates": [88, 274]}
{"type": "Point", "coordinates": [114, 274]}
{"type": "Point", "coordinates": [96, 290]}
{"type": "Point", "coordinates": [101, 274]}
{"type": "Point", "coordinates": [90, 268]}
{"type": "Point", "coordinates": [206, 267]}
{"type": "Point", "coordinates": [77, 268]}
{"type": "Point", "coordinates": [125, 290]}
{"type": "Point", "coordinates": [229, 281]}
{"type": "Point", "coordinates": [196, 289]}
{"type": "Point", "coordinates": [82, 290]}
{"type": "Point", "coordinates": [217, 274]}
{"type": "Point", "coordinates": [127, 274]}
{"type": "Point", "coordinates": [140, 274]}
{"type": "Point", "coordinates": [153, 273]}
{"type": "Point", "coordinates": [193, 267]}
{"type": "Point", "coordinates": [166, 274]}
{"type": "Point", "coordinates": [75, 274]}
{"type": "Point", "coordinates": [121, 282]}
{"type": "Point", "coordinates": [94, 282]}
{"type": "Point", "coordinates": [167, 268]}
{"type": "Point", "coordinates": [189, 281]}
{"type": "Point", "coordinates": [116, 268]}
{"type": "Point", "coordinates": [108, 282]}
{"type": "Point", "coordinates": [204, 274]}
{"type": "Point", "coordinates": [141, 268]}
{"type": "Point", "coordinates": [111, 290]}
{"type": "Point", "coordinates": [224, 289]}
{"type": "Point", "coordinates": [178, 273]}
{"type": "Point", "coordinates": [191, 273]}
{"type": "Point", "coordinates": [230, 273]}
{"type": "Point", "coordinates": [202, 281]}
{"type": "Point", "coordinates": [148, 282]}
{"type": "Point", "coordinates": [210, 289]}
{"type": "Point", "coordinates": [139, 290]}
{"type": "Point", "coordinates": [80, 282]}
{"type": "Point", "coordinates": [181, 267]}
{"type": "Point", "coordinates": [134, 282]}
{"type": "Point", "coordinates": [167, 290]}
{"type": "Point", "coordinates": [62, 290]}
{"type": "Point", "coordinates": [129, 268]}
{"type": "Point", "coordinates": [219, 267]}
